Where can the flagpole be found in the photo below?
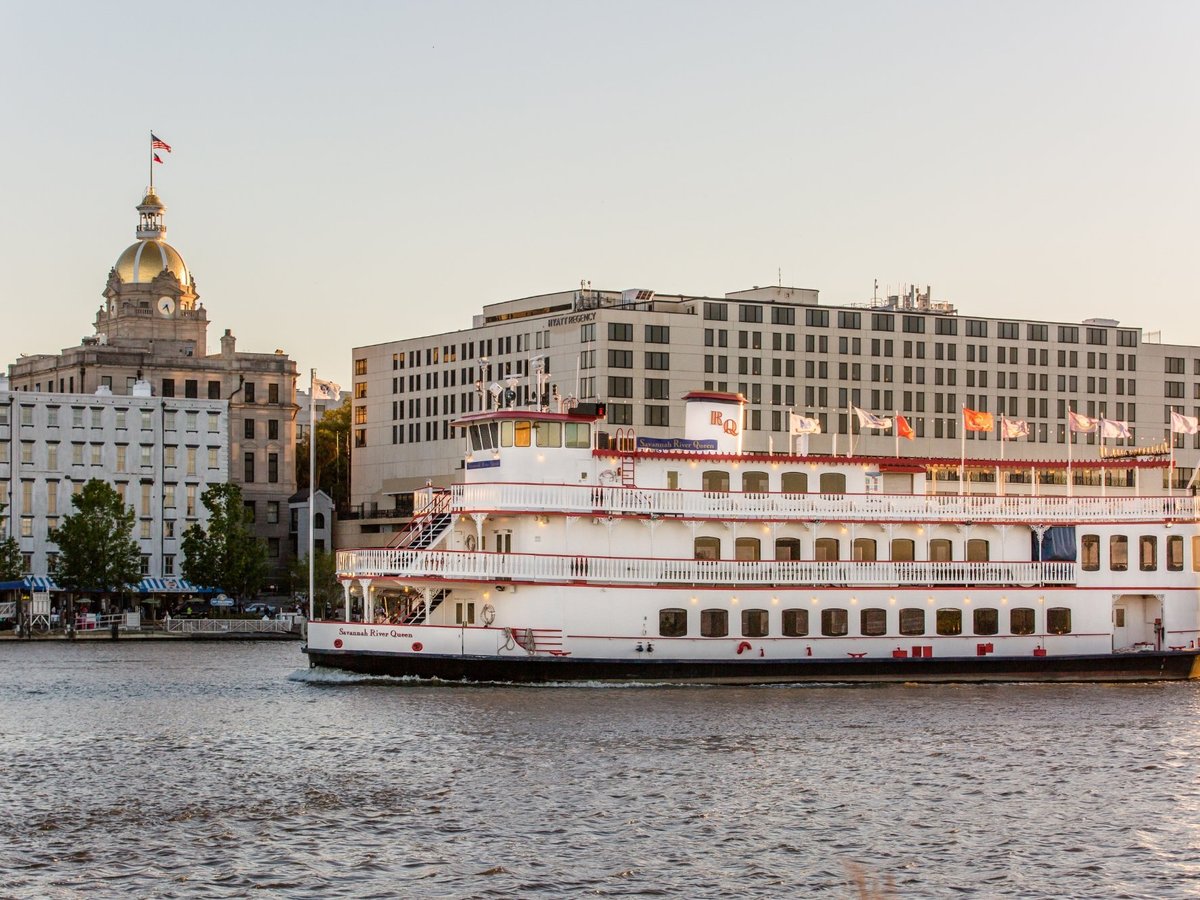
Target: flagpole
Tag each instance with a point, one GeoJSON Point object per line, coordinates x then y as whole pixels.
{"type": "Point", "coordinates": [850, 428]}
{"type": "Point", "coordinates": [896, 430]}
{"type": "Point", "coordinates": [791, 436]}
{"type": "Point", "coordinates": [151, 162]}
{"type": "Point", "coordinates": [1070, 457]}
{"type": "Point", "coordinates": [312, 487]}
{"type": "Point", "coordinates": [962, 460]}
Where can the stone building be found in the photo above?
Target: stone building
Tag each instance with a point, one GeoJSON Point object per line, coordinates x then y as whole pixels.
{"type": "Point", "coordinates": [152, 327]}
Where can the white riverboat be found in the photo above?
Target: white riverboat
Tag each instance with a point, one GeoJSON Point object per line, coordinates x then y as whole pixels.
{"type": "Point", "coordinates": [572, 553]}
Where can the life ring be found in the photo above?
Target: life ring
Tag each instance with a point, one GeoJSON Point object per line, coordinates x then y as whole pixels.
{"type": "Point", "coordinates": [743, 647]}
{"type": "Point", "coordinates": [418, 646]}
{"type": "Point", "coordinates": [470, 542]}
{"type": "Point", "coordinates": [488, 614]}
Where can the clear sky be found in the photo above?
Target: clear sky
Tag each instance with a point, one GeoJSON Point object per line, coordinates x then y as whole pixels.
{"type": "Point", "coordinates": [345, 174]}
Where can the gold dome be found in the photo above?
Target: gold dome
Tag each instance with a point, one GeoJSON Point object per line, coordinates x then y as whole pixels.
{"type": "Point", "coordinates": [151, 199]}
{"type": "Point", "coordinates": [142, 263]}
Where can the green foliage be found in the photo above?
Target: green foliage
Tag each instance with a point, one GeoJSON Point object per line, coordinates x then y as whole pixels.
{"type": "Point", "coordinates": [12, 566]}
{"type": "Point", "coordinates": [326, 587]}
{"type": "Point", "coordinates": [333, 456]}
{"type": "Point", "coordinates": [96, 548]}
{"type": "Point", "coordinates": [226, 554]}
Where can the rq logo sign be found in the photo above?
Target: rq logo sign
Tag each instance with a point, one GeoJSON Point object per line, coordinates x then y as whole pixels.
{"type": "Point", "coordinates": [729, 426]}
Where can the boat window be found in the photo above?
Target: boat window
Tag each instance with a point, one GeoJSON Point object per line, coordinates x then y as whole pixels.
{"type": "Point", "coordinates": [1020, 620]}
{"type": "Point", "coordinates": [949, 621]}
{"type": "Point", "coordinates": [483, 437]}
{"type": "Point", "coordinates": [940, 550]}
{"type": "Point", "coordinates": [755, 483]}
{"type": "Point", "coordinates": [787, 548]}
{"type": "Point", "coordinates": [827, 549]}
{"type": "Point", "coordinates": [748, 549]}
{"type": "Point", "coordinates": [1148, 552]}
{"type": "Point", "coordinates": [707, 548]}
{"type": "Point", "coordinates": [715, 480]}
{"type": "Point", "coordinates": [506, 433]}
{"type": "Point", "coordinates": [987, 620]}
{"type": "Point", "coordinates": [1118, 553]}
{"type": "Point", "coordinates": [672, 480]}
{"type": "Point", "coordinates": [833, 483]}
{"type": "Point", "coordinates": [522, 431]}
{"type": "Point", "coordinates": [714, 622]}
{"type": "Point", "coordinates": [872, 622]}
{"type": "Point", "coordinates": [1058, 620]}
{"type": "Point", "coordinates": [578, 434]}
{"type": "Point", "coordinates": [754, 623]}
{"type": "Point", "coordinates": [1196, 553]}
{"type": "Point", "coordinates": [1175, 552]}
{"type": "Point", "coordinates": [977, 550]}
{"type": "Point", "coordinates": [795, 622]}
{"type": "Point", "coordinates": [1090, 552]}
{"type": "Point", "coordinates": [672, 622]}
{"type": "Point", "coordinates": [903, 550]}
{"type": "Point", "coordinates": [795, 482]}
{"type": "Point", "coordinates": [549, 434]}
{"type": "Point", "coordinates": [912, 621]}
{"type": "Point", "coordinates": [834, 622]}
{"type": "Point", "coordinates": [864, 549]}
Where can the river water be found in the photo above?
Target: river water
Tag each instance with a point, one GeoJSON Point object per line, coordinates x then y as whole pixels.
{"type": "Point", "coordinates": [230, 770]}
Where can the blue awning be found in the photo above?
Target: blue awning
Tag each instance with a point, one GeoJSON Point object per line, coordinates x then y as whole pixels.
{"type": "Point", "coordinates": [30, 583]}
{"type": "Point", "coordinates": [170, 586]}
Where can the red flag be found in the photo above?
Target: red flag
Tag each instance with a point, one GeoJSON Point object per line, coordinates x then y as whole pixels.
{"type": "Point", "coordinates": [903, 429]}
{"type": "Point", "coordinates": [156, 158]}
{"type": "Point", "coordinates": [974, 420]}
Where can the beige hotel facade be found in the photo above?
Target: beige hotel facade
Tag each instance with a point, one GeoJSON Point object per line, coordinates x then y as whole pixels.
{"type": "Point", "coordinates": [640, 352]}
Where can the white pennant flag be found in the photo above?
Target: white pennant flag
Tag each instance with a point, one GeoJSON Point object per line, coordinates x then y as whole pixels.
{"type": "Point", "coordinates": [1181, 424]}
{"type": "Point", "coordinates": [804, 425]}
{"type": "Point", "coordinates": [870, 420]}
{"type": "Point", "coordinates": [325, 390]}
{"type": "Point", "coordinates": [1111, 428]}
{"type": "Point", "coordinates": [1011, 429]}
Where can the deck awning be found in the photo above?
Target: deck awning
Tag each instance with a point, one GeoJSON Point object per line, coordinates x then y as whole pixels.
{"type": "Point", "coordinates": [39, 583]}
{"type": "Point", "coordinates": [171, 586]}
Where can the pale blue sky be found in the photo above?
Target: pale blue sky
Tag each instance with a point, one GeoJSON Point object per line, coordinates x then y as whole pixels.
{"type": "Point", "coordinates": [353, 173]}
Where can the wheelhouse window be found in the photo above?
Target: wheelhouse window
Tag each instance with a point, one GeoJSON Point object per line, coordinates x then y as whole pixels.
{"type": "Point", "coordinates": [1196, 553]}
{"type": "Point", "coordinates": [714, 622]}
{"type": "Point", "coordinates": [754, 482]}
{"type": "Point", "coordinates": [1058, 620]}
{"type": "Point", "coordinates": [522, 433]}
{"type": "Point", "coordinates": [795, 622]}
{"type": "Point", "coordinates": [795, 482]}
{"type": "Point", "coordinates": [949, 621]}
{"type": "Point", "coordinates": [834, 622]}
{"type": "Point", "coordinates": [549, 434]}
{"type": "Point", "coordinates": [826, 549]}
{"type": "Point", "coordinates": [986, 620]}
{"type": "Point", "coordinates": [1175, 552]}
{"type": "Point", "coordinates": [672, 622]}
{"type": "Point", "coordinates": [754, 623]}
{"type": "Point", "coordinates": [1089, 552]}
{"type": "Point", "coordinates": [912, 621]}
{"type": "Point", "coordinates": [1020, 620]}
{"type": "Point", "coordinates": [715, 480]}
{"type": "Point", "coordinates": [864, 549]}
{"type": "Point", "coordinates": [833, 483]}
{"type": "Point", "coordinates": [872, 622]}
{"type": "Point", "coordinates": [940, 550]}
{"type": "Point", "coordinates": [1118, 553]}
{"type": "Point", "coordinates": [577, 434]}
{"type": "Point", "coordinates": [1148, 552]}
{"type": "Point", "coordinates": [707, 548]}
{"type": "Point", "coordinates": [903, 549]}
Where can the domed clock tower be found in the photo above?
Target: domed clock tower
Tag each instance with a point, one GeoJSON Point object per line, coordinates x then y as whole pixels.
{"type": "Point", "coordinates": [150, 298]}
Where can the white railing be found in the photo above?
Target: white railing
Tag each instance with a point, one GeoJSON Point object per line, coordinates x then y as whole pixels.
{"type": "Point", "coordinates": [454, 565]}
{"type": "Point", "coordinates": [227, 626]}
{"type": "Point", "coordinates": [610, 500]}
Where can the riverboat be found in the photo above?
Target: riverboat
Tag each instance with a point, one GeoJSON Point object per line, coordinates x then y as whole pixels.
{"type": "Point", "coordinates": [573, 553]}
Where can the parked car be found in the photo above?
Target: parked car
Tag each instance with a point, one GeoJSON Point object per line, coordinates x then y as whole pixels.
{"type": "Point", "coordinates": [261, 609]}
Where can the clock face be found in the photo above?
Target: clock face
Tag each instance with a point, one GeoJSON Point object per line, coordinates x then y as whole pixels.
{"type": "Point", "coordinates": [166, 305]}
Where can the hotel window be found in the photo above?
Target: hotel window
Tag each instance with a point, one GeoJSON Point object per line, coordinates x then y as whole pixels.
{"type": "Point", "coordinates": [360, 390]}
{"type": "Point", "coordinates": [191, 460]}
{"type": "Point", "coordinates": [214, 390]}
{"type": "Point", "coordinates": [273, 392]}
{"type": "Point", "coordinates": [214, 422]}
{"type": "Point", "coordinates": [657, 389]}
{"type": "Point", "coordinates": [657, 415]}
{"type": "Point", "coordinates": [1148, 553]}
{"type": "Point", "coordinates": [169, 456]}
{"type": "Point", "coordinates": [987, 620]}
{"type": "Point", "coordinates": [272, 429]}
{"type": "Point", "coordinates": [147, 459]}
{"type": "Point", "coordinates": [658, 361]}
{"type": "Point", "coordinates": [360, 436]}
{"type": "Point", "coordinates": [190, 500]}
{"type": "Point", "coordinates": [619, 386]}
{"type": "Point", "coordinates": [872, 622]}
{"type": "Point", "coordinates": [190, 388]}
{"type": "Point", "coordinates": [168, 496]}
{"type": "Point", "coordinates": [26, 453]}
{"type": "Point", "coordinates": [147, 487]}
{"type": "Point", "coordinates": [273, 513]}
{"type": "Point", "coordinates": [834, 622]}
{"type": "Point", "coordinates": [912, 621]}
{"type": "Point", "coordinates": [248, 391]}
{"type": "Point", "coordinates": [672, 622]}
{"type": "Point", "coordinates": [147, 532]}
{"type": "Point", "coordinates": [1021, 620]}
{"type": "Point", "coordinates": [620, 331]}
{"type": "Point", "coordinates": [658, 334]}
{"type": "Point", "coordinates": [619, 413]}
{"type": "Point", "coordinates": [949, 621]}
{"type": "Point", "coordinates": [620, 359]}
{"type": "Point", "coordinates": [248, 429]}
{"type": "Point", "coordinates": [1090, 552]}
{"type": "Point", "coordinates": [754, 623]}
{"type": "Point", "coordinates": [795, 622]}
{"type": "Point", "coordinates": [1175, 552]}
{"type": "Point", "coordinates": [147, 419]}
{"type": "Point", "coordinates": [248, 468]}
{"type": "Point", "coordinates": [716, 312]}
{"type": "Point", "coordinates": [214, 457]}
{"type": "Point", "coordinates": [714, 623]}
{"type": "Point", "coordinates": [1058, 620]}
{"type": "Point", "coordinates": [273, 468]}
{"type": "Point", "coordinates": [168, 528]}
{"type": "Point", "coordinates": [816, 318]}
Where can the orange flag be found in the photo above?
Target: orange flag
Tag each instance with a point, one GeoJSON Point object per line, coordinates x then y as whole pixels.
{"type": "Point", "coordinates": [973, 420]}
{"type": "Point", "coordinates": [903, 429]}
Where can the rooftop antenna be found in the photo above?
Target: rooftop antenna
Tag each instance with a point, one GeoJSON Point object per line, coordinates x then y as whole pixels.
{"type": "Point", "coordinates": [779, 283]}
{"type": "Point", "coordinates": [875, 293]}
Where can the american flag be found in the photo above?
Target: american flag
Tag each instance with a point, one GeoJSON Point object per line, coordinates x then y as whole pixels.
{"type": "Point", "coordinates": [157, 143]}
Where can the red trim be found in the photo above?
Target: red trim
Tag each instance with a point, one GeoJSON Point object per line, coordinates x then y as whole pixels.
{"type": "Point", "coordinates": [715, 396]}
{"type": "Point", "coordinates": [498, 414]}
{"type": "Point", "coordinates": [923, 462]}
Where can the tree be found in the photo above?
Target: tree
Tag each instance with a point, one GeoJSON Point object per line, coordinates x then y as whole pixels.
{"type": "Point", "coordinates": [12, 565]}
{"type": "Point", "coordinates": [226, 554]}
{"type": "Point", "coordinates": [96, 549]}
{"type": "Point", "coordinates": [327, 589]}
{"type": "Point", "coordinates": [333, 456]}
